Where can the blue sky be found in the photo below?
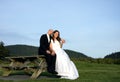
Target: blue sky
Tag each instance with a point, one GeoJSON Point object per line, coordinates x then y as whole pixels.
{"type": "Point", "coordinates": [88, 26]}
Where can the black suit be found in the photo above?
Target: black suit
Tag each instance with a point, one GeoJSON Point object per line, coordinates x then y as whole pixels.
{"type": "Point", "coordinates": [44, 45]}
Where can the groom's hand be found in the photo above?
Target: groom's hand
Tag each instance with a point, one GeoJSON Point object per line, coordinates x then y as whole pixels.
{"type": "Point", "coordinates": [48, 51]}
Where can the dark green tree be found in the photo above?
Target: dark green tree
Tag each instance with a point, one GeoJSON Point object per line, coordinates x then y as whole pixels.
{"type": "Point", "coordinates": [3, 51]}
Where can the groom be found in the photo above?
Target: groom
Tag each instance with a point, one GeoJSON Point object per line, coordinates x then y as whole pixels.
{"type": "Point", "coordinates": [44, 50]}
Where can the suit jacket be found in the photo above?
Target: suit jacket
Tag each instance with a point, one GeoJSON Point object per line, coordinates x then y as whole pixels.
{"type": "Point", "coordinates": [44, 45]}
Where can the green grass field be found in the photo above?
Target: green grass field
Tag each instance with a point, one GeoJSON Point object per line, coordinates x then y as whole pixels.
{"type": "Point", "coordinates": [89, 72]}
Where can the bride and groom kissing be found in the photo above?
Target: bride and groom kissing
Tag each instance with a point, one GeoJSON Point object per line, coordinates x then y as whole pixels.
{"type": "Point", "coordinates": [58, 61]}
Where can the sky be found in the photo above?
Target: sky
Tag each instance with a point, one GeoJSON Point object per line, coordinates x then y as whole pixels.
{"type": "Point", "coordinates": [88, 26]}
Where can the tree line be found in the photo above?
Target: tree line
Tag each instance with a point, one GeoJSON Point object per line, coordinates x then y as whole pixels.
{"type": "Point", "coordinates": [99, 60]}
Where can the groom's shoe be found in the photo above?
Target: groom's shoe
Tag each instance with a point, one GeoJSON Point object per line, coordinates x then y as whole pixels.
{"type": "Point", "coordinates": [54, 72]}
{"type": "Point", "coordinates": [58, 76]}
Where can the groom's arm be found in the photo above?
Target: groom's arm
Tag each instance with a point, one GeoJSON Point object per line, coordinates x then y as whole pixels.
{"type": "Point", "coordinates": [43, 42]}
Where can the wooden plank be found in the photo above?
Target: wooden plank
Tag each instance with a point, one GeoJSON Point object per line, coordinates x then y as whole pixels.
{"type": "Point", "coordinates": [34, 56]}
{"type": "Point", "coordinates": [24, 58]}
{"type": "Point", "coordinates": [19, 68]}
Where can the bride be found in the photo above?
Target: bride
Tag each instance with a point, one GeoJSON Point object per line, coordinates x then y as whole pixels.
{"type": "Point", "coordinates": [64, 66]}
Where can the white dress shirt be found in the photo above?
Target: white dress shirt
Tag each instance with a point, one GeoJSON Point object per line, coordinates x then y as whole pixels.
{"type": "Point", "coordinates": [48, 38]}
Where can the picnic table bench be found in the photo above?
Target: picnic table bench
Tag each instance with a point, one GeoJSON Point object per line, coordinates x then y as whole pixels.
{"type": "Point", "coordinates": [30, 64]}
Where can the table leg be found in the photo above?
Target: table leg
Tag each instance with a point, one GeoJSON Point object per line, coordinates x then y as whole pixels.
{"type": "Point", "coordinates": [37, 72]}
{"type": "Point", "coordinates": [6, 71]}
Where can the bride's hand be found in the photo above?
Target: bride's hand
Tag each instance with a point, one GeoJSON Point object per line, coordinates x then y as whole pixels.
{"type": "Point", "coordinates": [62, 41]}
{"type": "Point", "coordinates": [53, 53]}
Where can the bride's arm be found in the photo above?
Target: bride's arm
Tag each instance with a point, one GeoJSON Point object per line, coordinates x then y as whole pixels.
{"type": "Point", "coordinates": [62, 42]}
{"type": "Point", "coordinates": [51, 49]}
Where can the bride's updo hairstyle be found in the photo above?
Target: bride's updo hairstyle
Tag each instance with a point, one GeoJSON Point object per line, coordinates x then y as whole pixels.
{"type": "Point", "coordinates": [58, 38]}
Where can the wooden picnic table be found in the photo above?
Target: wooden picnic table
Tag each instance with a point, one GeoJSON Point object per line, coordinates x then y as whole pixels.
{"type": "Point", "coordinates": [30, 64]}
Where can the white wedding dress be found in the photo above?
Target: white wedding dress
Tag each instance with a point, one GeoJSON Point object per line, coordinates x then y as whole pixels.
{"type": "Point", "coordinates": [64, 66]}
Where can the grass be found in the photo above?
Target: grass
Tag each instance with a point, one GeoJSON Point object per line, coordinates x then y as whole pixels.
{"type": "Point", "coordinates": [89, 72]}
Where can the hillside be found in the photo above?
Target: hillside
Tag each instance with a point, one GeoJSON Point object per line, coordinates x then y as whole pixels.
{"type": "Point", "coordinates": [25, 50]}
{"type": "Point", "coordinates": [115, 55]}
{"type": "Point", "coordinates": [75, 54]}
{"type": "Point", "coordinates": [21, 50]}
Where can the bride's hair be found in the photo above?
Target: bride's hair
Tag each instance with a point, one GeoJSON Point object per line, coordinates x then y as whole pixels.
{"type": "Point", "coordinates": [58, 38]}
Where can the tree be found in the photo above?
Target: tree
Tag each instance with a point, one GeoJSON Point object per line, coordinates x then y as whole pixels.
{"type": "Point", "coordinates": [3, 51]}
